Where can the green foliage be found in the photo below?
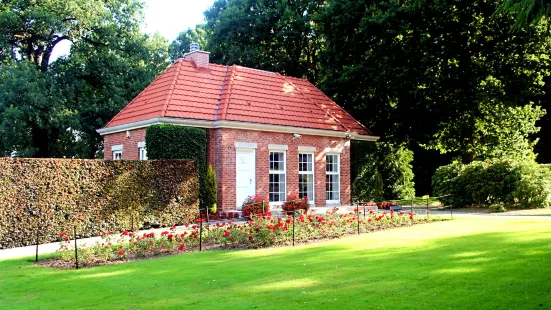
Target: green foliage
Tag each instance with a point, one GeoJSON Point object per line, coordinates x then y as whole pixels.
{"type": "Point", "coordinates": [458, 80]}
{"type": "Point", "coordinates": [95, 195]}
{"type": "Point", "coordinates": [181, 44]}
{"type": "Point", "coordinates": [527, 12]}
{"type": "Point", "coordinates": [211, 190]}
{"type": "Point", "coordinates": [180, 142]}
{"type": "Point", "coordinates": [380, 171]}
{"type": "Point", "coordinates": [53, 108]}
{"type": "Point", "coordinates": [264, 34]}
{"type": "Point", "coordinates": [494, 182]}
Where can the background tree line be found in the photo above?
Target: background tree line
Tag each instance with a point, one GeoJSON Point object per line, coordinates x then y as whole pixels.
{"type": "Point", "coordinates": [445, 79]}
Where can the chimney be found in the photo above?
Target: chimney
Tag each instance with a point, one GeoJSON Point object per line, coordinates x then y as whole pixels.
{"type": "Point", "coordinates": [199, 58]}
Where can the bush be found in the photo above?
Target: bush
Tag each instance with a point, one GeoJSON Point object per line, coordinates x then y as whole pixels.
{"type": "Point", "coordinates": [95, 195]}
{"type": "Point", "coordinates": [180, 142]}
{"type": "Point", "coordinates": [495, 182]}
{"type": "Point", "coordinates": [392, 162]}
{"type": "Point", "coordinates": [294, 203]}
{"type": "Point", "coordinates": [254, 205]}
{"type": "Point", "coordinates": [210, 190]}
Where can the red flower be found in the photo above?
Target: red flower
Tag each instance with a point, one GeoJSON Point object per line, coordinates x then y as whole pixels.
{"type": "Point", "coordinates": [181, 247]}
{"type": "Point", "coordinates": [227, 233]}
{"type": "Point", "coordinates": [121, 252]}
{"type": "Point", "coordinates": [173, 227]}
{"type": "Point", "coordinates": [164, 233]}
{"type": "Point", "coordinates": [169, 237]}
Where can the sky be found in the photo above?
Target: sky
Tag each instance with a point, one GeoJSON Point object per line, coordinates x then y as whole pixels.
{"type": "Point", "coordinates": [167, 17]}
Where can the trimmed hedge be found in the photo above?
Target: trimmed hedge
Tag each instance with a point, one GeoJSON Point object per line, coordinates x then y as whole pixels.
{"type": "Point", "coordinates": [179, 142]}
{"type": "Point", "coordinates": [495, 183]}
{"type": "Point", "coordinates": [96, 195]}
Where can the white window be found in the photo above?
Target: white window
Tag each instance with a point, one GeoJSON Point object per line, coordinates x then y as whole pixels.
{"type": "Point", "coordinates": [277, 182]}
{"type": "Point", "coordinates": [117, 152]}
{"type": "Point", "coordinates": [117, 155]}
{"type": "Point", "coordinates": [332, 178]}
{"type": "Point", "coordinates": [306, 176]}
{"type": "Point", "coordinates": [142, 151]}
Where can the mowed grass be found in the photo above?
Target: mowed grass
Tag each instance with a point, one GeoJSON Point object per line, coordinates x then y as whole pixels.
{"type": "Point", "coordinates": [477, 263]}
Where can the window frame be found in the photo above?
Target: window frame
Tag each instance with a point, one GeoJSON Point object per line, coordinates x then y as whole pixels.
{"type": "Point", "coordinates": [311, 201]}
{"type": "Point", "coordinates": [115, 155]}
{"type": "Point", "coordinates": [338, 174]}
{"type": "Point", "coordinates": [280, 172]}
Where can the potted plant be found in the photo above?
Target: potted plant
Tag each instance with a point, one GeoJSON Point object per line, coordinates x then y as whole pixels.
{"type": "Point", "coordinates": [294, 203]}
{"type": "Point", "coordinates": [254, 205]}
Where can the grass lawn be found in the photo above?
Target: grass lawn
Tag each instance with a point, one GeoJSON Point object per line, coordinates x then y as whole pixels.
{"type": "Point", "coordinates": [433, 202]}
{"type": "Point", "coordinates": [466, 263]}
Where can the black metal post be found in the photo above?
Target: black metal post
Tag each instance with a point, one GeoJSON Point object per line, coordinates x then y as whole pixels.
{"type": "Point", "coordinates": [76, 250]}
{"type": "Point", "coordinates": [364, 211]}
{"type": "Point", "coordinates": [201, 234]}
{"type": "Point", "coordinates": [358, 215]}
{"type": "Point", "coordinates": [132, 222]}
{"type": "Point", "coordinates": [451, 212]}
{"type": "Point", "coordinates": [293, 228]}
{"type": "Point", "coordinates": [411, 205]}
{"type": "Point", "coordinates": [37, 241]}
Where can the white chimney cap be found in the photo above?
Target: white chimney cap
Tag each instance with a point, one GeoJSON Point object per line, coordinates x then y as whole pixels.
{"type": "Point", "coordinates": [193, 47]}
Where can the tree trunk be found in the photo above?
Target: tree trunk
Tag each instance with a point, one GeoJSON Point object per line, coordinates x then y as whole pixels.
{"type": "Point", "coordinates": [40, 142]}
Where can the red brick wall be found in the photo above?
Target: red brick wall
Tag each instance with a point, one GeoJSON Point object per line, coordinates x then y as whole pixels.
{"type": "Point", "coordinates": [200, 58]}
{"type": "Point", "coordinates": [221, 154]}
{"type": "Point", "coordinates": [225, 163]}
{"type": "Point", "coordinates": [130, 144]}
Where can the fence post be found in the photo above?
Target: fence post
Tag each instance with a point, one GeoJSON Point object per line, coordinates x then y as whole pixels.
{"type": "Point", "coordinates": [451, 211]}
{"type": "Point", "coordinates": [358, 215]}
{"type": "Point", "coordinates": [201, 233]}
{"type": "Point", "coordinates": [411, 205]}
{"type": "Point", "coordinates": [37, 241]}
{"type": "Point", "coordinates": [293, 228]}
{"type": "Point", "coordinates": [76, 249]}
{"type": "Point", "coordinates": [427, 206]}
{"type": "Point", "coordinates": [364, 211]}
{"type": "Point", "coordinates": [131, 221]}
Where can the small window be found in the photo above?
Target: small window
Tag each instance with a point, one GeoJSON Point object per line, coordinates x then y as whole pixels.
{"type": "Point", "coordinates": [117, 155]}
{"type": "Point", "coordinates": [277, 182]}
{"type": "Point", "coordinates": [332, 178]}
{"type": "Point", "coordinates": [143, 153]}
{"type": "Point", "coordinates": [306, 176]}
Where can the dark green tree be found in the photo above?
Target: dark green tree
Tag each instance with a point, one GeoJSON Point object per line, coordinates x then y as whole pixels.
{"type": "Point", "coordinates": [180, 46]}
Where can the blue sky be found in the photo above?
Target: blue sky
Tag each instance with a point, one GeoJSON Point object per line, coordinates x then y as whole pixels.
{"type": "Point", "coordinates": [167, 17]}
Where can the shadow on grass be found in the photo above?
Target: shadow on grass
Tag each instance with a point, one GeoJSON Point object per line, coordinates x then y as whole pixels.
{"type": "Point", "coordinates": [483, 270]}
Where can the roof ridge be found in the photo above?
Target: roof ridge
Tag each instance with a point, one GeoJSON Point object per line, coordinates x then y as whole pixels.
{"type": "Point", "coordinates": [135, 98]}
{"type": "Point", "coordinates": [221, 93]}
{"type": "Point", "coordinates": [341, 108]}
{"type": "Point", "coordinates": [171, 91]}
{"type": "Point", "coordinates": [230, 84]}
{"type": "Point", "coordinates": [311, 101]}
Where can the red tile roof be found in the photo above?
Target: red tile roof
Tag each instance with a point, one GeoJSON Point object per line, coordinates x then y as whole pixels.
{"type": "Point", "coordinates": [235, 93]}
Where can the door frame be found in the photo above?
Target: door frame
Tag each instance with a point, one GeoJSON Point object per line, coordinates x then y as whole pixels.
{"type": "Point", "coordinates": [245, 147]}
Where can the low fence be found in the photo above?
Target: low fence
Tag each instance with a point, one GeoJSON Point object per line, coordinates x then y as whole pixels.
{"type": "Point", "coordinates": [41, 198]}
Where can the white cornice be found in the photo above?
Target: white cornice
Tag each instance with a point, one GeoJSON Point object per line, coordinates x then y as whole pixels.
{"type": "Point", "coordinates": [235, 125]}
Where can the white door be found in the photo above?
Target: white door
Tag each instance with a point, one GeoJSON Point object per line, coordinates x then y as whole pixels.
{"type": "Point", "coordinates": [245, 182]}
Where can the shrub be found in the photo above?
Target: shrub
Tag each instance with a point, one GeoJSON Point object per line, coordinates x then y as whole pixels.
{"type": "Point", "coordinates": [210, 190]}
{"type": "Point", "coordinates": [392, 162]}
{"type": "Point", "coordinates": [294, 203]}
{"type": "Point", "coordinates": [254, 205]}
{"type": "Point", "coordinates": [180, 142]}
{"type": "Point", "coordinates": [494, 182]}
{"type": "Point", "coordinates": [95, 195]}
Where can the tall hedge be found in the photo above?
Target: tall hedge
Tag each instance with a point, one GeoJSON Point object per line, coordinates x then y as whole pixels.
{"type": "Point", "coordinates": [179, 142]}
{"type": "Point", "coordinates": [522, 184]}
{"type": "Point", "coordinates": [95, 195]}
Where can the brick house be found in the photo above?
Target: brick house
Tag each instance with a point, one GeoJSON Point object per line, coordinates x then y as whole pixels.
{"type": "Point", "coordinates": [268, 134]}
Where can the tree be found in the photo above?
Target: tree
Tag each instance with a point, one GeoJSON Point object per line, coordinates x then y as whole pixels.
{"type": "Point", "coordinates": [527, 12]}
{"type": "Point", "coordinates": [57, 106]}
{"type": "Point", "coordinates": [266, 34]}
{"type": "Point", "coordinates": [181, 44]}
{"type": "Point", "coordinates": [435, 74]}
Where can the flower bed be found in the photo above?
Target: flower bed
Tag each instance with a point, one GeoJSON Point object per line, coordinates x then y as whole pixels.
{"type": "Point", "coordinates": [260, 231]}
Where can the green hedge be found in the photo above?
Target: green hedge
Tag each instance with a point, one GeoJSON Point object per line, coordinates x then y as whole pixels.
{"type": "Point", "coordinates": [494, 182]}
{"type": "Point", "coordinates": [95, 195]}
{"type": "Point", "coordinates": [179, 142]}
{"type": "Point", "coordinates": [372, 162]}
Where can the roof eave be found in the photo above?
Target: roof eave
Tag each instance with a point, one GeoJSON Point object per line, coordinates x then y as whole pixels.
{"type": "Point", "coordinates": [235, 125]}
